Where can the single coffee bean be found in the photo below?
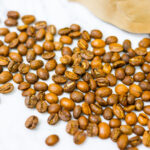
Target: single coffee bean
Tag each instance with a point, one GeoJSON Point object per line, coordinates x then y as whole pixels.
{"type": "Point", "coordinates": [31, 77]}
{"type": "Point", "coordinates": [72, 127]}
{"type": "Point", "coordinates": [24, 86]}
{"type": "Point", "coordinates": [122, 141]}
{"type": "Point", "coordinates": [41, 106]}
{"type": "Point", "coordinates": [92, 129]}
{"type": "Point", "coordinates": [53, 119]}
{"type": "Point", "coordinates": [64, 115]}
{"type": "Point", "coordinates": [40, 86]}
{"type": "Point", "coordinates": [31, 122]}
{"type": "Point", "coordinates": [28, 92]}
{"type": "Point", "coordinates": [104, 130]}
{"type": "Point", "coordinates": [83, 122]}
{"type": "Point", "coordinates": [146, 137]}
{"type": "Point", "coordinates": [6, 88]}
{"type": "Point", "coordinates": [11, 22]}
{"type": "Point", "coordinates": [77, 111]}
{"type": "Point", "coordinates": [138, 130]}
{"type": "Point", "coordinates": [31, 101]}
{"type": "Point", "coordinates": [28, 19]}
{"type": "Point", "coordinates": [79, 137]}
{"type": "Point", "coordinates": [115, 134]}
{"type": "Point", "coordinates": [52, 140]}
{"type": "Point", "coordinates": [53, 108]}
{"type": "Point", "coordinates": [5, 76]}
{"type": "Point", "coordinates": [42, 74]}
{"type": "Point", "coordinates": [51, 98]}
{"type": "Point", "coordinates": [55, 88]}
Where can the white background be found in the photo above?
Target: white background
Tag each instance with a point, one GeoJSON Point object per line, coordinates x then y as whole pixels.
{"type": "Point", "coordinates": [13, 113]}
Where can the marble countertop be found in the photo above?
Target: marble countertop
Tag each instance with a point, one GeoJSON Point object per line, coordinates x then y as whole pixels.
{"type": "Point", "coordinates": [13, 113]}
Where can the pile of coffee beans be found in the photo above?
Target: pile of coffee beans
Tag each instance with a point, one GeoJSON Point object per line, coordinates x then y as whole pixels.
{"type": "Point", "coordinates": [93, 108]}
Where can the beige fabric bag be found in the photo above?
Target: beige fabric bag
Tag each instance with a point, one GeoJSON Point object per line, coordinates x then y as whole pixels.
{"type": "Point", "coordinates": [130, 15]}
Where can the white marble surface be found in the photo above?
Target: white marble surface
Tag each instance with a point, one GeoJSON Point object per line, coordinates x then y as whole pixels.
{"type": "Point", "coordinates": [13, 113]}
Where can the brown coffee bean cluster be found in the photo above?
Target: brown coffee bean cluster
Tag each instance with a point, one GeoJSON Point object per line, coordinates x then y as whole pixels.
{"type": "Point", "coordinates": [85, 74]}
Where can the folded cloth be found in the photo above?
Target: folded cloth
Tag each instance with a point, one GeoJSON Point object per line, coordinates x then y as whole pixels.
{"type": "Point", "coordinates": [129, 15]}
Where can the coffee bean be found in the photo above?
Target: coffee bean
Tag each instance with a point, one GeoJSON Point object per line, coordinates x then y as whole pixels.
{"type": "Point", "coordinates": [53, 119]}
{"type": "Point", "coordinates": [52, 140]}
{"type": "Point", "coordinates": [31, 122]}
{"type": "Point", "coordinates": [79, 137]}
{"type": "Point", "coordinates": [6, 88]}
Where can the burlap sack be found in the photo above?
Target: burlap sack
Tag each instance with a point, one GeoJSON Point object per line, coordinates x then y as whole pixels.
{"type": "Point", "coordinates": [130, 15]}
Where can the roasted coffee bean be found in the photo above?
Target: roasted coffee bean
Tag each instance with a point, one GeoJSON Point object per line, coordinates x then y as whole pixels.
{"type": "Point", "coordinates": [145, 42]}
{"type": "Point", "coordinates": [11, 22]}
{"type": "Point", "coordinates": [135, 141]}
{"type": "Point", "coordinates": [122, 141]}
{"type": "Point", "coordinates": [51, 98]}
{"type": "Point", "coordinates": [54, 108]}
{"type": "Point", "coordinates": [118, 111]}
{"type": "Point", "coordinates": [104, 130]}
{"type": "Point", "coordinates": [126, 129]}
{"type": "Point", "coordinates": [52, 140]}
{"type": "Point", "coordinates": [53, 119]}
{"type": "Point", "coordinates": [115, 133]}
{"type": "Point", "coordinates": [83, 122]}
{"type": "Point", "coordinates": [89, 97]}
{"type": "Point", "coordinates": [69, 86]}
{"type": "Point", "coordinates": [146, 137]}
{"type": "Point", "coordinates": [24, 68]}
{"type": "Point", "coordinates": [136, 61]}
{"type": "Point", "coordinates": [112, 99]}
{"type": "Point", "coordinates": [22, 27]}
{"type": "Point", "coordinates": [31, 77]}
{"type": "Point", "coordinates": [77, 96]}
{"type": "Point", "coordinates": [6, 88]}
{"type": "Point", "coordinates": [92, 129]}
{"type": "Point", "coordinates": [40, 86]}
{"type": "Point", "coordinates": [72, 127]}
{"type": "Point", "coordinates": [51, 29]}
{"type": "Point", "coordinates": [75, 27]}
{"type": "Point", "coordinates": [86, 108]}
{"type": "Point", "coordinates": [24, 86]}
{"type": "Point", "coordinates": [94, 119]}
{"type": "Point", "coordinates": [59, 79]}
{"type": "Point", "coordinates": [42, 74]}
{"type": "Point", "coordinates": [18, 78]}
{"type": "Point", "coordinates": [126, 44]}
{"type": "Point", "coordinates": [131, 52]}
{"type": "Point", "coordinates": [143, 119]}
{"type": "Point", "coordinates": [28, 92]}
{"type": "Point", "coordinates": [48, 55]}
{"type": "Point", "coordinates": [28, 19]}
{"type": "Point", "coordinates": [30, 55]}
{"type": "Point", "coordinates": [55, 88]}
{"type": "Point", "coordinates": [41, 106]}
{"type": "Point", "coordinates": [114, 123]}
{"type": "Point", "coordinates": [10, 36]}
{"type": "Point", "coordinates": [138, 130]}
{"type": "Point", "coordinates": [64, 31]}
{"type": "Point", "coordinates": [31, 101]}
{"type": "Point", "coordinates": [36, 64]}
{"type": "Point", "coordinates": [139, 105]}
{"type": "Point", "coordinates": [67, 103]}
{"type": "Point", "coordinates": [135, 90]}
{"type": "Point", "coordinates": [120, 73]}
{"type": "Point", "coordinates": [60, 69]}
{"type": "Point", "coordinates": [82, 44]}
{"type": "Point", "coordinates": [5, 76]}
{"type": "Point", "coordinates": [4, 50]}
{"type": "Point", "coordinates": [64, 115]}
{"type": "Point", "coordinates": [4, 31]}
{"type": "Point", "coordinates": [111, 39]}
{"type": "Point", "coordinates": [13, 66]}
{"type": "Point", "coordinates": [103, 92]}
{"type": "Point", "coordinates": [30, 42]}
{"type": "Point", "coordinates": [131, 118]}
{"type": "Point", "coordinates": [108, 113]}
{"type": "Point", "coordinates": [121, 89]}
{"type": "Point", "coordinates": [31, 122]}
{"type": "Point", "coordinates": [97, 109]}
{"type": "Point", "coordinates": [77, 111]}
{"type": "Point", "coordinates": [22, 49]}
